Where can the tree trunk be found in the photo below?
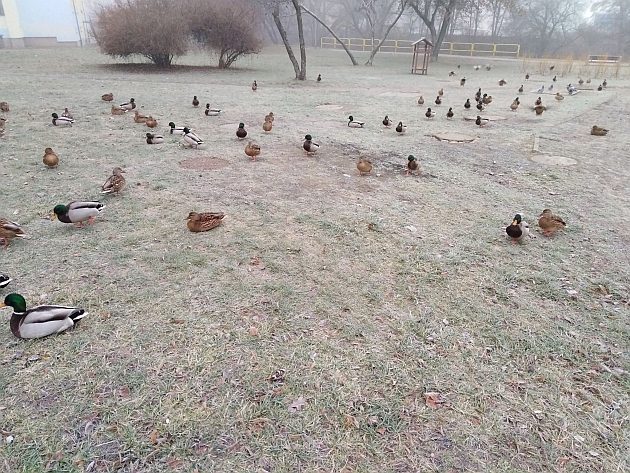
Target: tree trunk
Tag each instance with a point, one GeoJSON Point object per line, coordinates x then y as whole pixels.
{"type": "Point", "coordinates": [300, 26]}
{"type": "Point", "coordinates": [306, 10]}
{"type": "Point", "coordinates": [375, 50]}
{"type": "Point", "coordinates": [285, 40]}
{"type": "Point", "coordinates": [446, 20]}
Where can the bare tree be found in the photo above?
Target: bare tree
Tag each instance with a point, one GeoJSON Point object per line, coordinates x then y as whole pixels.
{"type": "Point", "coordinates": [437, 16]}
{"type": "Point", "coordinates": [278, 8]}
{"type": "Point", "coordinates": [616, 13]}
{"type": "Point", "coordinates": [377, 47]}
{"type": "Point", "coordinates": [307, 11]}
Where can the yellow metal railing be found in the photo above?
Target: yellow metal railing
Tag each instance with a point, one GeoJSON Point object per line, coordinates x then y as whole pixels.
{"type": "Point", "coordinates": [405, 46]}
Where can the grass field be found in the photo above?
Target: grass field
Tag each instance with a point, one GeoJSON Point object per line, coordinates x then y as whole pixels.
{"type": "Point", "coordinates": [369, 292]}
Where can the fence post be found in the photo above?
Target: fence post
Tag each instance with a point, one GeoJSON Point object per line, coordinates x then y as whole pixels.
{"type": "Point", "coordinates": [450, 48]}
{"type": "Point", "coordinates": [494, 49]}
{"type": "Point", "coordinates": [472, 49]}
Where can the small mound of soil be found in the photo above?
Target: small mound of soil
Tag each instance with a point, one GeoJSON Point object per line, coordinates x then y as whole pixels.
{"type": "Point", "coordinates": [203, 164]}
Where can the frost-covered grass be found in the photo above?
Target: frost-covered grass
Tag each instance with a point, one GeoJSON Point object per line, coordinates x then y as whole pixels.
{"type": "Point", "coordinates": [367, 291]}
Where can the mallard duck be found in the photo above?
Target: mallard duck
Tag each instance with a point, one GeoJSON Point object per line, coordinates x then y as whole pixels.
{"type": "Point", "coordinates": [387, 122]}
{"type": "Point", "coordinates": [154, 139]}
{"type": "Point", "coordinates": [252, 150]}
{"type": "Point", "coordinates": [138, 118]}
{"type": "Point", "coordinates": [518, 229]}
{"type": "Point", "coordinates": [309, 145]}
{"type": "Point", "coordinates": [588, 81]}
{"type": "Point", "coordinates": [107, 97]}
{"type": "Point", "coordinates": [412, 164]}
{"type": "Point", "coordinates": [129, 105]}
{"type": "Point", "coordinates": [204, 221]}
{"type": "Point", "coordinates": [477, 67]}
{"type": "Point", "coordinates": [319, 77]}
{"type": "Point", "coordinates": [429, 113]}
{"type": "Point", "coordinates": [451, 74]}
{"type": "Point", "coordinates": [77, 212]}
{"type": "Point", "coordinates": [352, 123]}
{"type": "Point", "coordinates": [2, 122]}
{"type": "Point", "coordinates": [479, 106]}
{"type": "Point", "coordinates": [254, 86]}
{"type": "Point", "coordinates": [270, 117]}
{"type": "Point", "coordinates": [538, 101]}
{"type": "Point", "coordinates": [559, 96]}
{"type": "Point", "coordinates": [488, 67]}
{"type": "Point", "coordinates": [118, 111]}
{"type": "Point", "coordinates": [550, 223]}
{"type": "Point", "coordinates": [10, 230]}
{"type": "Point", "coordinates": [401, 129]}
{"type": "Point", "coordinates": [467, 104]}
{"type": "Point", "coordinates": [487, 99]}
{"type": "Point", "coordinates": [600, 88]}
{"type": "Point", "coordinates": [450, 114]}
{"type": "Point", "coordinates": [195, 102]}
{"type": "Point", "coordinates": [539, 109]}
{"type": "Point", "coordinates": [176, 130]}
{"type": "Point", "coordinates": [151, 122]}
{"type": "Point", "coordinates": [241, 132]}
{"type": "Point", "coordinates": [478, 95]}
{"type": "Point", "coordinates": [527, 76]}
{"type": "Point", "coordinates": [42, 320]}
{"type": "Point", "coordinates": [541, 90]}
{"type": "Point", "coordinates": [4, 107]}
{"type": "Point", "coordinates": [212, 112]}
{"type": "Point", "coordinates": [441, 92]}
{"type": "Point", "coordinates": [605, 83]}
{"type": "Point", "coordinates": [421, 100]}
{"type": "Point", "coordinates": [462, 81]}
{"type": "Point", "coordinates": [551, 68]}
{"type": "Point", "coordinates": [66, 113]}
{"type": "Point", "coordinates": [364, 166]}
{"type": "Point", "coordinates": [438, 100]}
{"type": "Point", "coordinates": [514, 106]}
{"type": "Point", "coordinates": [481, 121]}
{"type": "Point", "coordinates": [61, 121]}
{"type": "Point", "coordinates": [550, 89]}
{"type": "Point", "coordinates": [190, 139]}
{"type": "Point", "coordinates": [114, 183]}
{"type": "Point", "coordinates": [598, 131]}
{"type": "Point", "coordinates": [267, 126]}
{"type": "Point", "coordinates": [581, 81]}
{"type": "Point", "coordinates": [4, 280]}
{"type": "Point", "coordinates": [50, 158]}
{"type": "Point", "coordinates": [521, 89]}
{"type": "Point", "coordinates": [502, 83]}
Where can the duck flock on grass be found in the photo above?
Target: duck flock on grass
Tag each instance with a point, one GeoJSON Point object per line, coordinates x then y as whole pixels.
{"type": "Point", "coordinates": [45, 320]}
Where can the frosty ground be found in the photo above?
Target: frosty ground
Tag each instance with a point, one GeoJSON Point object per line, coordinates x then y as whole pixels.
{"type": "Point", "coordinates": [369, 292]}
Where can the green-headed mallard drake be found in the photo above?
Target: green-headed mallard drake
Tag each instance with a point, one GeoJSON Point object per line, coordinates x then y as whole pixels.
{"type": "Point", "coordinates": [204, 221]}
{"type": "Point", "coordinates": [550, 223]}
{"type": "Point", "coordinates": [241, 132]}
{"type": "Point", "coordinates": [50, 158]}
{"type": "Point", "coordinates": [319, 77]}
{"type": "Point", "coordinates": [521, 89]}
{"type": "Point", "coordinates": [387, 122]}
{"type": "Point", "coordinates": [502, 83]}
{"type": "Point", "coordinates": [129, 105]}
{"type": "Point", "coordinates": [421, 100]}
{"type": "Point", "coordinates": [479, 106]}
{"type": "Point", "coordinates": [195, 101]}
{"type": "Point", "coordinates": [429, 113]}
{"type": "Point", "coordinates": [352, 123]}
{"type": "Point", "coordinates": [4, 107]}
{"type": "Point", "coordinates": [467, 104]}
{"type": "Point", "coordinates": [462, 81]}
{"type": "Point", "coordinates": [309, 145]}
{"type": "Point", "coordinates": [107, 97]}
{"type": "Point", "coordinates": [254, 86]}
{"type": "Point", "coordinates": [481, 121]}
{"type": "Point", "coordinates": [600, 88]}
{"type": "Point", "coordinates": [177, 130]}
{"type": "Point", "coordinates": [438, 100]}
{"type": "Point", "coordinates": [450, 114]}
{"type": "Point", "coordinates": [190, 139]}
{"type": "Point", "coordinates": [114, 183]}
{"type": "Point", "coordinates": [77, 212]}
{"type": "Point", "coordinates": [252, 150]}
{"type": "Point", "coordinates": [538, 101]}
{"type": "Point", "coordinates": [212, 112]}
{"type": "Point", "coordinates": [154, 139]}
{"type": "Point", "coordinates": [10, 230]}
{"type": "Point", "coordinates": [412, 164]}
{"type": "Point", "coordinates": [364, 166]}
{"type": "Point", "coordinates": [42, 320]}
{"type": "Point", "coordinates": [527, 76]}
{"type": "Point", "coordinates": [61, 121]}
{"type": "Point", "coordinates": [598, 131]}
{"type": "Point", "coordinates": [518, 229]}
{"type": "Point", "coordinates": [401, 129]}
{"type": "Point", "coordinates": [139, 118]}
{"type": "Point", "coordinates": [555, 78]}
{"type": "Point", "coordinates": [4, 280]}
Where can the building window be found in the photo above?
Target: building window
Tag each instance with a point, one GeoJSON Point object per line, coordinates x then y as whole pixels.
{"type": "Point", "coordinates": [1, 9]}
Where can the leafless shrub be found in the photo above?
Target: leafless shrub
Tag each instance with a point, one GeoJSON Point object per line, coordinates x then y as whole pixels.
{"type": "Point", "coordinates": [155, 29]}
{"type": "Point", "coordinates": [227, 27]}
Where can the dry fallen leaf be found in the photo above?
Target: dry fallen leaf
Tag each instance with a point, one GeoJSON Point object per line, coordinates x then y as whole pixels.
{"type": "Point", "coordinates": [297, 405]}
{"type": "Point", "coordinates": [350, 421]}
{"type": "Point", "coordinates": [173, 320]}
{"type": "Point", "coordinates": [175, 463]}
{"type": "Point", "coordinates": [153, 437]}
{"type": "Point", "coordinates": [433, 399]}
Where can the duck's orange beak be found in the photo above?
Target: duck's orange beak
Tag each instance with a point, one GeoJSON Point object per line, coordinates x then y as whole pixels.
{"type": "Point", "coordinates": [514, 222]}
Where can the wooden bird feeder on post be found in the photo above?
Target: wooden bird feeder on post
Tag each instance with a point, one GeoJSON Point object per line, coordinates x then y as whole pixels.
{"type": "Point", "coordinates": [422, 47]}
